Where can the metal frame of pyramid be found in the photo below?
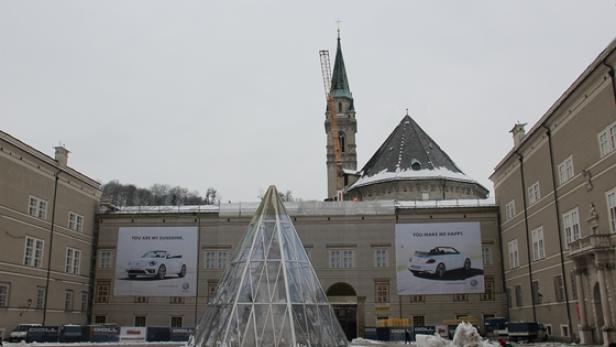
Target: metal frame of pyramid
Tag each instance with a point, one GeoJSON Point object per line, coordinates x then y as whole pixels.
{"type": "Point", "coordinates": [269, 295]}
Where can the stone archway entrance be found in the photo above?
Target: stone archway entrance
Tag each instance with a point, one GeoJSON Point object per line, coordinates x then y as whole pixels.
{"type": "Point", "coordinates": [343, 299]}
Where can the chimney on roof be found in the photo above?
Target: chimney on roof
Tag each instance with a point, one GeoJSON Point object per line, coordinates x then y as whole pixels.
{"type": "Point", "coordinates": [518, 133]}
{"type": "Point", "coordinates": [61, 156]}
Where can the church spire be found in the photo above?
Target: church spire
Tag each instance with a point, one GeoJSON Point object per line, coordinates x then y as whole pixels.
{"type": "Point", "coordinates": [340, 82]}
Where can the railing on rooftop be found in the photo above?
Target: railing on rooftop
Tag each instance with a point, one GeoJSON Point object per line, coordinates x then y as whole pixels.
{"type": "Point", "coordinates": [303, 208]}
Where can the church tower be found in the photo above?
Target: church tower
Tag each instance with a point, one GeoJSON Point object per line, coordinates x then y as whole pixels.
{"type": "Point", "coordinates": [346, 127]}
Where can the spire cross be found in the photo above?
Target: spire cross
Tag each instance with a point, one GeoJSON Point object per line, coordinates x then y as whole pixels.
{"type": "Point", "coordinates": [338, 21]}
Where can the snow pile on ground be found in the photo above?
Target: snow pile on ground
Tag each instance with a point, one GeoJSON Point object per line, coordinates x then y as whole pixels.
{"type": "Point", "coordinates": [466, 335]}
{"type": "Point", "coordinates": [360, 341]}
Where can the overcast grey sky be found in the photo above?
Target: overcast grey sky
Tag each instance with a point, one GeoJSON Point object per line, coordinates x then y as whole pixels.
{"type": "Point", "coordinates": [229, 94]}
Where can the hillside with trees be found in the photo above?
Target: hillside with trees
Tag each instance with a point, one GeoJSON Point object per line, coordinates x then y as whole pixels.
{"type": "Point", "coordinates": [120, 194]}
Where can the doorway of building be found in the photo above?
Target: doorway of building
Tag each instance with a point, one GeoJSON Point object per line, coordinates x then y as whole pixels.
{"type": "Point", "coordinates": [343, 299]}
{"type": "Point", "coordinates": [598, 315]}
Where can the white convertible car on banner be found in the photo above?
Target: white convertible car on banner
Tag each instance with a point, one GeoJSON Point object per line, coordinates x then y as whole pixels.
{"type": "Point", "coordinates": [438, 261]}
{"type": "Point", "coordinates": [156, 264]}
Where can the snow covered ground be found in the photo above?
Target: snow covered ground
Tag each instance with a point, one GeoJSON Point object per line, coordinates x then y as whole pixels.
{"type": "Point", "coordinates": [358, 342]}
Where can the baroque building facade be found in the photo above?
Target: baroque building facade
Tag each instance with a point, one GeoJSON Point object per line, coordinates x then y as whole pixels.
{"type": "Point", "coordinates": [556, 189]}
{"type": "Point", "coordinates": [351, 246]}
{"type": "Point", "coordinates": [47, 234]}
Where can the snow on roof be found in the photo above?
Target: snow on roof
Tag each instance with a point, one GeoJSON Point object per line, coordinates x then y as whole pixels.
{"type": "Point", "coordinates": [159, 209]}
{"type": "Point", "coordinates": [305, 208]}
{"type": "Point", "coordinates": [445, 203]}
{"type": "Point", "coordinates": [350, 172]}
{"type": "Point", "coordinates": [410, 174]}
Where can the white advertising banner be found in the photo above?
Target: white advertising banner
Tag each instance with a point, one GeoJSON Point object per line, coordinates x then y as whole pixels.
{"type": "Point", "coordinates": [156, 261]}
{"type": "Point", "coordinates": [439, 258]}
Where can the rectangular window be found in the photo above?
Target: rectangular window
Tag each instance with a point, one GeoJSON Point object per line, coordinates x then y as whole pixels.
{"type": "Point", "coordinates": [104, 259]}
{"type": "Point", "coordinates": [559, 289]}
{"type": "Point", "coordinates": [100, 319]}
{"type": "Point", "coordinates": [565, 170]}
{"type": "Point", "coordinates": [381, 292]}
{"type": "Point", "coordinates": [139, 321]}
{"type": "Point", "coordinates": [215, 259]}
{"type": "Point", "coordinates": [489, 294]}
{"type": "Point", "coordinates": [486, 252]}
{"type": "Point", "coordinates": [518, 296]}
{"type": "Point", "coordinates": [514, 260]}
{"type": "Point", "coordinates": [84, 302]}
{"type": "Point", "coordinates": [5, 289]}
{"type": "Point", "coordinates": [176, 322]}
{"type": "Point", "coordinates": [75, 222]}
{"type": "Point", "coordinates": [571, 226]}
{"type": "Point", "coordinates": [537, 296]}
{"type": "Point", "coordinates": [211, 291]}
{"type": "Point", "coordinates": [140, 299]}
{"type": "Point", "coordinates": [40, 298]}
{"type": "Point", "coordinates": [611, 209]}
{"type": "Point", "coordinates": [460, 297]}
{"type": "Point", "coordinates": [380, 257]}
{"type": "Point", "coordinates": [177, 300]}
{"type": "Point", "coordinates": [419, 321]}
{"type": "Point", "coordinates": [416, 299]}
{"type": "Point", "coordinates": [548, 329]}
{"type": "Point", "coordinates": [508, 293]}
{"type": "Point", "coordinates": [103, 290]}
{"type": "Point", "coordinates": [510, 210]}
{"type": "Point", "coordinates": [538, 243]}
{"type": "Point", "coordinates": [564, 330]}
{"type": "Point", "coordinates": [68, 300]}
{"type": "Point", "coordinates": [607, 140]}
{"type": "Point", "coordinates": [33, 253]}
{"type": "Point", "coordinates": [341, 258]}
{"type": "Point", "coordinates": [533, 193]}
{"type": "Point", "coordinates": [37, 207]}
{"type": "Point", "coordinates": [308, 253]}
{"type": "Point", "coordinates": [73, 259]}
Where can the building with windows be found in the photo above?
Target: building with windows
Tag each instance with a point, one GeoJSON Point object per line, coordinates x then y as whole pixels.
{"type": "Point", "coordinates": [557, 192]}
{"type": "Point", "coordinates": [350, 244]}
{"type": "Point", "coordinates": [47, 233]}
{"type": "Point", "coordinates": [410, 179]}
{"type": "Point", "coordinates": [546, 245]}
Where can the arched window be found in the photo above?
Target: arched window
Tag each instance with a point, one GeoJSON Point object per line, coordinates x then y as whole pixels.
{"type": "Point", "coordinates": [341, 140]}
{"type": "Point", "coordinates": [340, 107]}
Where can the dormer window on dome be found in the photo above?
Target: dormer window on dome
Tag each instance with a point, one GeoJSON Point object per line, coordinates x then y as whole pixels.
{"type": "Point", "coordinates": [415, 165]}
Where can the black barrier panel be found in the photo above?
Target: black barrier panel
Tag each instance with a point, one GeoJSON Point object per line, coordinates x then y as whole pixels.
{"type": "Point", "coordinates": [382, 334]}
{"type": "Point", "coordinates": [42, 334]}
{"type": "Point", "coordinates": [370, 333]}
{"type": "Point", "coordinates": [451, 329]}
{"type": "Point", "coordinates": [423, 330]}
{"type": "Point", "coordinates": [396, 334]}
{"type": "Point", "coordinates": [180, 334]}
{"type": "Point", "coordinates": [74, 333]}
{"type": "Point", "coordinates": [105, 333]}
{"type": "Point", "coordinates": [158, 334]}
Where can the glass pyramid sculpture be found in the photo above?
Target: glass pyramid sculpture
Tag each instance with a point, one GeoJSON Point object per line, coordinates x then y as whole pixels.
{"type": "Point", "coordinates": [269, 295]}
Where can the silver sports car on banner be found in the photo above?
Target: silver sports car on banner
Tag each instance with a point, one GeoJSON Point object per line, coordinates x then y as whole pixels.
{"type": "Point", "coordinates": [156, 264]}
{"type": "Point", "coordinates": [438, 261]}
